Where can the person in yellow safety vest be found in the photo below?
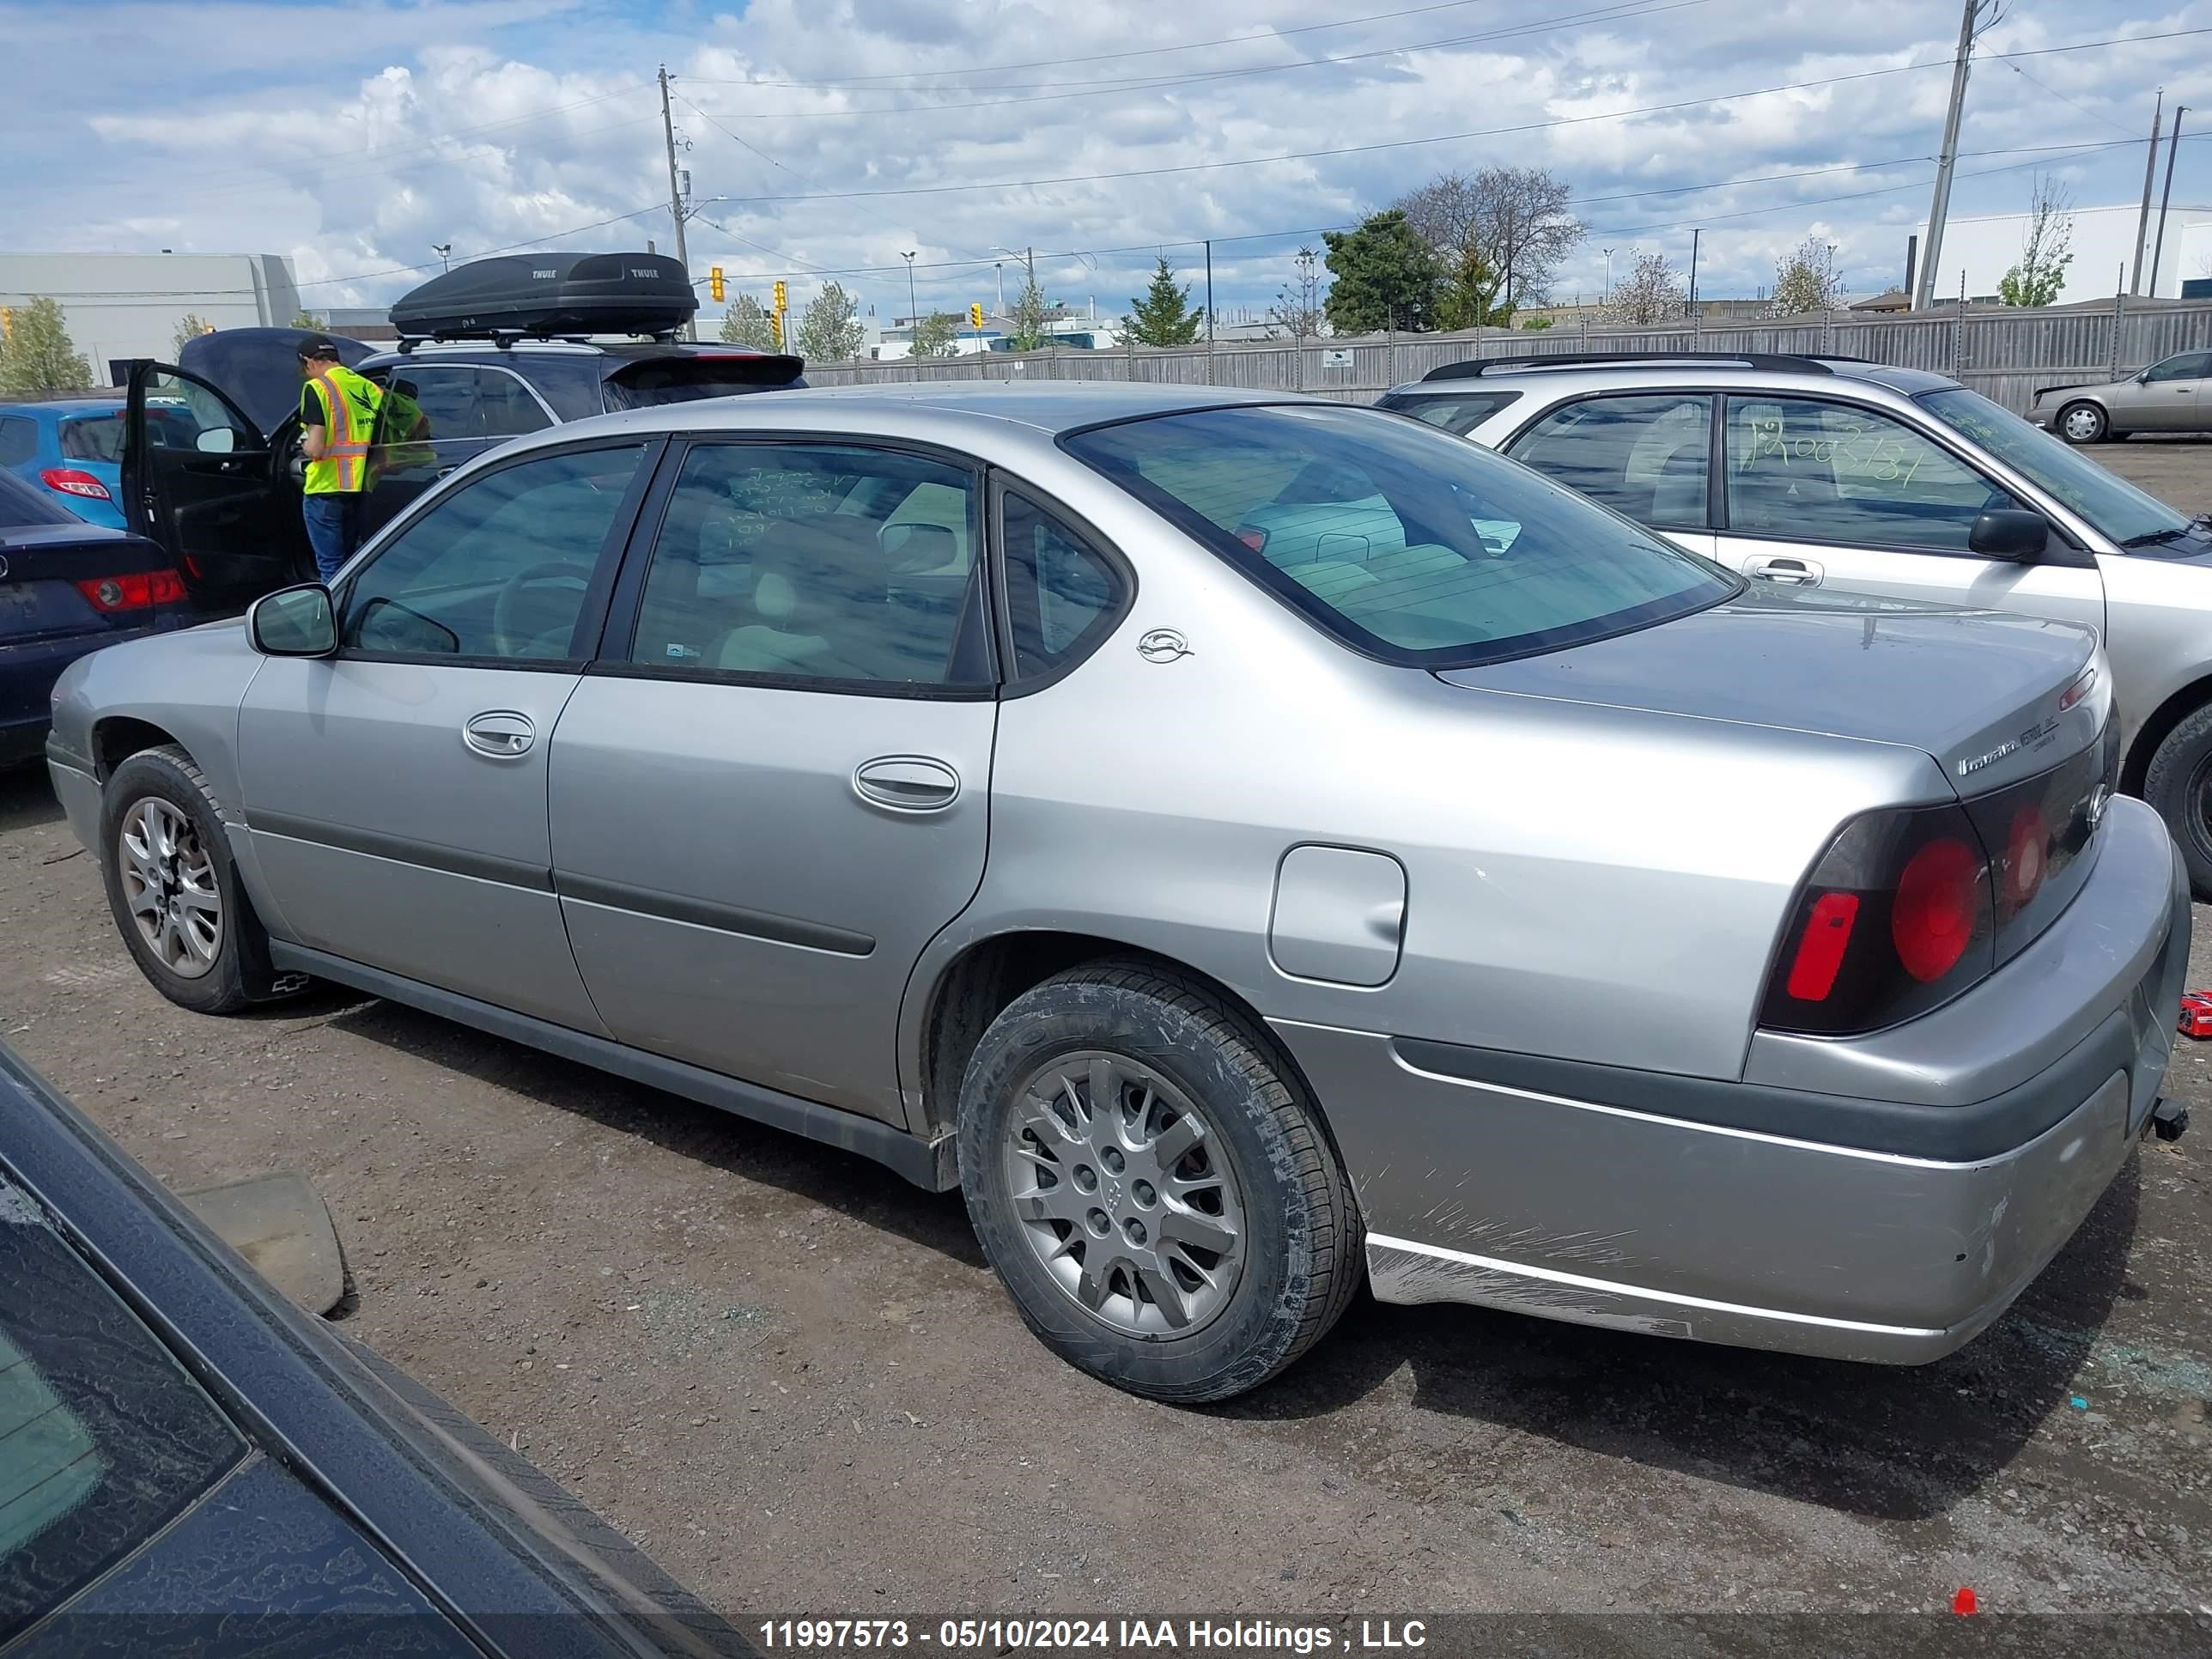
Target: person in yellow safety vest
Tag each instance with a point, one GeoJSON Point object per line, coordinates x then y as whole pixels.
{"type": "Point", "coordinates": [337, 417]}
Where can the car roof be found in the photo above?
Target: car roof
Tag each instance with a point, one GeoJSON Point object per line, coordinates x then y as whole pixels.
{"type": "Point", "coordinates": [65, 406]}
{"type": "Point", "coordinates": [1584, 372]}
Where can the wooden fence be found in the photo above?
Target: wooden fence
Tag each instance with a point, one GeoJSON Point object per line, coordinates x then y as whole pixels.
{"type": "Point", "coordinates": [2002, 352]}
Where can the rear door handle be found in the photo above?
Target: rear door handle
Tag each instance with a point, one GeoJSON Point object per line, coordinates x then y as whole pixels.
{"type": "Point", "coordinates": [500, 733]}
{"type": "Point", "coordinates": [1786, 573]}
{"type": "Point", "coordinates": [906, 783]}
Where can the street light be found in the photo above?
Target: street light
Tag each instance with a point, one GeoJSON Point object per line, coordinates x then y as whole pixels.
{"type": "Point", "coordinates": [909, 257]}
{"type": "Point", "coordinates": [1609, 275]}
{"type": "Point", "coordinates": [445, 252]}
{"type": "Point", "coordinates": [999, 266]}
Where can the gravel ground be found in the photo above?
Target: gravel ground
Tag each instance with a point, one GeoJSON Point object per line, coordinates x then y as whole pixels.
{"type": "Point", "coordinates": [791, 1377]}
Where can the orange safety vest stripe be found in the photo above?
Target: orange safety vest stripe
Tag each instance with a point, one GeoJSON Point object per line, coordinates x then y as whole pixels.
{"type": "Point", "coordinates": [344, 446]}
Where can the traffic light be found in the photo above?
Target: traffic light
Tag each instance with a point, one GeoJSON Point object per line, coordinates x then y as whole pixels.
{"type": "Point", "coordinates": [976, 315]}
{"type": "Point", "coordinates": [779, 295]}
{"type": "Point", "coordinates": [714, 280]}
{"type": "Point", "coordinates": [775, 323]}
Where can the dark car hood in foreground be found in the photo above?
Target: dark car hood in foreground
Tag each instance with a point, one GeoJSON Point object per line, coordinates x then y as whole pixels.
{"type": "Point", "coordinates": [1961, 685]}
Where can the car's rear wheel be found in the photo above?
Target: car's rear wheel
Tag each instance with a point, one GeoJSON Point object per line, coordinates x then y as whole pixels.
{"type": "Point", "coordinates": [2177, 784]}
{"type": "Point", "coordinates": [1158, 1198]}
{"type": "Point", "coordinates": [174, 892]}
{"type": "Point", "coordinates": [2082, 423]}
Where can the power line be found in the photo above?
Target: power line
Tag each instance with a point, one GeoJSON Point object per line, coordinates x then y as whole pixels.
{"type": "Point", "coordinates": [734, 139]}
{"type": "Point", "coordinates": [1440, 138]}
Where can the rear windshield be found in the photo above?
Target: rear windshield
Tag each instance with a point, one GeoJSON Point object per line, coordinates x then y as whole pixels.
{"type": "Point", "coordinates": [93, 437]}
{"type": "Point", "coordinates": [1461, 414]}
{"type": "Point", "coordinates": [1406, 543]}
{"type": "Point", "coordinates": [686, 380]}
{"type": "Point", "coordinates": [22, 504]}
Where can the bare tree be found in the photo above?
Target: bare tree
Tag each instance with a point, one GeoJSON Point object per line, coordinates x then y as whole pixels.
{"type": "Point", "coordinates": [1297, 310]}
{"type": "Point", "coordinates": [1651, 294]}
{"type": "Point", "coordinates": [2046, 250]}
{"type": "Point", "coordinates": [1805, 279]}
{"type": "Point", "coordinates": [1513, 220]}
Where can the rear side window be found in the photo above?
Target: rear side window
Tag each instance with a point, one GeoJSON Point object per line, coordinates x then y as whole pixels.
{"type": "Point", "coordinates": [654, 380]}
{"type": "Point", "coordinates": [103, 1437]}
{"type": "Point", "coordinates": [1460, 414]}
{"type": "Point", "coordinates": [1649, 456]}
{"type": "Point", "coordinates": [1405, 542]}
{"type": "Point", "coordinates": [2190, 366]}
{"type": "Point", "coordinates": [1061, 593]}
{"type": "Point", "coordinates": [19, 440]}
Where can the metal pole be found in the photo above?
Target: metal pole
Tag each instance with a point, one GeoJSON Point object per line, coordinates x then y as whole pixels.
{"type": "Point", "coordinates": [1958, 330]}
{"type": "Point", "coordinates": [1209, 312]}
{"type": "Point", "coordinates": [1695, 237]}
{"type": "Point", "coordinates": [2120, 315]}
{"type": "Point", "coordinates": [1941, 206]}
{"type": "Point", "coordinates": [2173, 147]}
{"type": "Point", "coordinates": [2150, 176]}
{"type": "Point", "coordinates": [910, 315]}
{"type": "Point", "coordinates": [674, 195]}
{"type": "Point", "coordinates": [1608, 276]}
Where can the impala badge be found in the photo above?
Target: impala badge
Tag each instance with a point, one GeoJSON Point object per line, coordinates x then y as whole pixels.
{"type": "Point", "coordinates": [1163, 645]}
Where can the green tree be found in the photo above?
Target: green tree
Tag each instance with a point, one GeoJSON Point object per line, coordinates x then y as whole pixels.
{"type": "Point", "coordinates": [1469, 295]}
{"type": "Point", "coordinates": [40, 356]}
{"type": "Point", "coordinates": [1805, 280]}
{"type": "Point", "coordinates": [189, 326]}
{"type": "Point", "coordinates": [937, 335]}
{"type": "Point", "coordinates": [1385, 276]}
{"type": "Point", "coordinates": [1027, 331]}
{"type": "Point", "coordinates": [2046, 250]}
{"type": "Point", "coordinates": [830, 331]}
{"type": "Point", "coordinates": [305, 320]}
{"type": "Point", "coordinates": [1534, 324]}
{"type": "Point", "coordinates": [747, 323]}
{"type": "Point", "coordinates": [1165, 317]}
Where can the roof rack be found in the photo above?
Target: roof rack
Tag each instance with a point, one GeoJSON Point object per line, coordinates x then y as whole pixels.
{"type": "Point", "coordinates": [1475, 367]}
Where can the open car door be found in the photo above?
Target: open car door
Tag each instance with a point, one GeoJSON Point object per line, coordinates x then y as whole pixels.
{"type": "Point", "coordinates": [201, 479]}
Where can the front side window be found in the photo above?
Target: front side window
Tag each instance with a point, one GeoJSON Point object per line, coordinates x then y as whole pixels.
{"type": "Point", "coordinates": [188, 414]}
{"type": "Point", "coordinates": [1402, 540]}
{"type": "Point", "coordinates": [1649, 456]}
{"type": "Point", "coordinates": [1802, 470]}
{"type": "Point", "coordinates": [1061, 593]}
{"type": "Point", "coordinates": [817, 561]}
{"type": "Point", "coordinates": [2127, 514]}
{"type": "Point", "coordinates": [2188, 366]}
{"type": "Point", "coordinates": [498, 567]}
{"type": "Point", "coordinates": [103, 1437]}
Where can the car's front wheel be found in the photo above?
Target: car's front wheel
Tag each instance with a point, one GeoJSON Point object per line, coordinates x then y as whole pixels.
{"type": "Point", "coordinates": [1158, 1198]}
{"type": "Point", "coordinates": [174, 890]}
{"type": "Point", "coordinates": [2082, 423]}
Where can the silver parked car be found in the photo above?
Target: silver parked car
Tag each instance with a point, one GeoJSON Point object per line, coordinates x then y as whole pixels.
{"type": "Point", "coordinates": [1510, 908]}
{"type": "Point", "coordinates": [2172, 395]}
{"type": "Point", "coordinates": [1851, 477]}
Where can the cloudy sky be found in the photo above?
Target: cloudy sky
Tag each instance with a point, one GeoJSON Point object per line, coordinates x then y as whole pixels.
{"type": "Point", "coordinates": [829, 136]}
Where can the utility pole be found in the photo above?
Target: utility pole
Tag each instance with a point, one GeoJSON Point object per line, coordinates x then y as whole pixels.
{"type": "Point", "coordinates": [2150, 175]}
{"type": "Point", "coordinates": [1925, 296]}
{"type": "Point", "coordinates": [675, 195]}
{"type": "Point", "coordinates": [1695, 237]}
{"type": "Point", "coordinates": [2165, 196]}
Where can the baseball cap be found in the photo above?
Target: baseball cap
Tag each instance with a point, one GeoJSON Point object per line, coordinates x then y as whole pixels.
{"type": "Point", "coordinates": [319, 345]}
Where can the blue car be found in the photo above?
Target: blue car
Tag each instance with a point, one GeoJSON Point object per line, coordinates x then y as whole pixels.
{"type": "Point", "coordinates": [71, 449]}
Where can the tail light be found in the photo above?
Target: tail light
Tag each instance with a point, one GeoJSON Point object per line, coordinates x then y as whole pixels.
{"type": "Point", "coordinates": [1907, 909]}
{"type": "Point", "coordinates": [74, 480]}
{"type": "Point", "coordinates": [1254, 537]}
{"type": "Point", "coordinates": [140, 591]}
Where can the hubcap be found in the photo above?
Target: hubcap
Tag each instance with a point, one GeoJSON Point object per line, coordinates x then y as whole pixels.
{"type": "Point", "coordinates": [2080, 424]}
{"type": "Point", "coordinates": [1125, 1195]}
{"type": "Point", "coordinates": [169, 885]}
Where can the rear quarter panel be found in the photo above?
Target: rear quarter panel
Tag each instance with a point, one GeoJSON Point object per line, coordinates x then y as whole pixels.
{"type": "Point", "coordinates": [1581, 882]}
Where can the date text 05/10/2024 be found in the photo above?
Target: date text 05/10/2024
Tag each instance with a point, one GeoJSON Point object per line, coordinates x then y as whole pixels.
{"type": "Point", "coordinates": [1001, 1636]}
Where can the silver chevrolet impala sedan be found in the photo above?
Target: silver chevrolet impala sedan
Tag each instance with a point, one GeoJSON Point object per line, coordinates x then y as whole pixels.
{"type": "Point", "coordinates": [1064, 794]}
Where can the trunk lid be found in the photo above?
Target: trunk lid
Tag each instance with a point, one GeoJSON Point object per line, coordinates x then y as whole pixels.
{"type": "Point", "coordinates": [40, 566]}
{"type": "Point", "coordinates": [1980, 691]}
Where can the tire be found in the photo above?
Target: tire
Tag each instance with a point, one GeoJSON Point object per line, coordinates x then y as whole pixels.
{"type": "Point", "coordinates": [1260, 1172]}
{"type": "Point", "coordinates": [210, 957]}
{"type": "Point", "coordinates": [2093, 428]}
{"type": "Point", "coordinates": [2178, 785]}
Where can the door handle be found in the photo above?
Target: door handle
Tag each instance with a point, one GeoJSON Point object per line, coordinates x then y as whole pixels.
{"type": "Point", "coordinates": [1786, 573]}
{"type": "Point", "coordinates": [906, 783]}
{"type": "Point", "coordinates": [500, 733]}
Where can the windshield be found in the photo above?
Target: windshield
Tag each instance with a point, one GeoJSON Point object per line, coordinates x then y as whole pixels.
{"type": "Point", "coordinates": [1406, 543]}
{"type": "Point", "coordinates": [2111, 503]}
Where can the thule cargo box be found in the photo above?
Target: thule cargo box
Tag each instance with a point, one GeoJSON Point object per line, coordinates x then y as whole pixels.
{"type": "Point", "coordinates": [541, 296]}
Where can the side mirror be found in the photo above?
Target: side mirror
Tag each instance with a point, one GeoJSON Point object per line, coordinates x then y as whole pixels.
{"type": "Point", "coordinates": [294, 622]}
{"type": "Point", "coordinates": [2009, 532]}
{"type": "Point", "coordinates": [216, 440]}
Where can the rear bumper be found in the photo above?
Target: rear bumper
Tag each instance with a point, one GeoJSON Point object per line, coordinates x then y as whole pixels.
{"type": "Point", "coordinates": [1479, 1184]}
{"type": "Point", "coordinates": [27, 674]}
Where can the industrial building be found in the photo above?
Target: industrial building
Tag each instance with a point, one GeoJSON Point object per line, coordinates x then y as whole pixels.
{"type": "Point", "coordinates": [1983, 247]}
{"type": "Point", "coordinates": [121, 307]}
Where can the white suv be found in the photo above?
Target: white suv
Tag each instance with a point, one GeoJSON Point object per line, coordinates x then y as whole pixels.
{"type": "Point", "coordinates": [1850, 476]}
